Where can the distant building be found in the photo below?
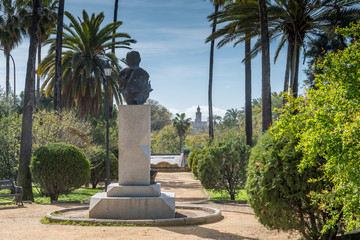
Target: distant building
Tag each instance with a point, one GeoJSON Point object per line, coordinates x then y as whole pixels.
{"type": "Point", "coordinates": [198, 125]}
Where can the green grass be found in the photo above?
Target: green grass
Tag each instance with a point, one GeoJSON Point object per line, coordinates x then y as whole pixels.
{"type": "Point", "coordinates": [76, 195]}
{"type": "Point", "coordinates": [225, 196]}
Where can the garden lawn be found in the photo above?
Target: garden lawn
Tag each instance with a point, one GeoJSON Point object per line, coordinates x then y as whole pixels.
{"type": "Point", "coordinates": [81, 194]}
{"type": "Point", "coordinates": [223, 195]}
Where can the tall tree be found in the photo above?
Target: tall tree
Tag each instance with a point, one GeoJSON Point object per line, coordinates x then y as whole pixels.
{"type": "Point", "coordinates": [111, 108]}
{"type": "Point", "coordinates": [87, 46]}
{"type": "Point", "coordinates": [217, 4]}
{"type": "Point", "coordinates": [160, 115]}
{"type": "Point", "coordinates": [58, 71]}
{"type": "Point", "coordinates": [241, 19]}
{"type": "Point", "coordinates": [24, 176]}
{"type": "Point", "coordinates": [265, 67]}
{"type": "Point", "coordinates": [48, 18]}
{"type": "Point", "coordinates": [301, 21]}
{"type": "Point", "coordinates": [115, 20]}
{"type": "Point", "coordinates": [231, 118]}
{"type": "Point", "coordinates": [12, 30]}
{"type": "Point", "coordinates": [328, 41]}
{"type": "Point", "coordinates": [182, 125]}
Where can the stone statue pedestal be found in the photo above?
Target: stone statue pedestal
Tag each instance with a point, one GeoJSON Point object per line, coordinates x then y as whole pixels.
{"type": "Point", "coordinates": [133, 197]}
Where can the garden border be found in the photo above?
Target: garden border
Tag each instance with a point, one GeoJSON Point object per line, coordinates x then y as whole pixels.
{"type": "Point", "coordinates": [214, 216]}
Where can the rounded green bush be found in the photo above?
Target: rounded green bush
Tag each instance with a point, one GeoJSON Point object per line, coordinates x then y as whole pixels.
{"type": "Point", "coordinates": [98, 166]}
{"type": "Point", "coordinates": [222, 166]}
{"type": "Point", "coordinates": [59, 168]}
{"type": "Point", "coordinates": [278, 192]}
{"type": "Point", "coordinates": [193, 161]}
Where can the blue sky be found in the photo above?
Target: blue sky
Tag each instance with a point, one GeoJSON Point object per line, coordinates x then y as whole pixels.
{"type": "Point", "coordinates": [171, 40]}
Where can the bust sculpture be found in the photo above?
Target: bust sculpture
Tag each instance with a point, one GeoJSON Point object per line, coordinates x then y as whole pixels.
{"type": "Point", "coordinates": [134, 81]}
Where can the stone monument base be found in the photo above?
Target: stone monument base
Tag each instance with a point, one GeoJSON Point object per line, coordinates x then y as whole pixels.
{"type": "Point", "coordinates": [133, 197]}
{"type": "Point", "coordinates": [130, 208]}
{"type": "Point", "coordinates": [117, 190]}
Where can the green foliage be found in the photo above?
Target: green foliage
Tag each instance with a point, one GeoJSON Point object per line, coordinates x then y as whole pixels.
{"type": "Point", "coordinates": [98, 133]}
{"type": "Point", "coordinates": [48, 127]}
{"type": "Point", "coordinates": [196, 141]}
{"type": "Point", "coordinates": [160, 115]}
{"type": "Point", "coordinates": [222, 166]}
{"type": "Point", "coordinates": [78, 195]}
{"type": "Point", "coordinates": [165, 140]}
{"type": "Point", "coordinates": [59, 168]}
{"type": "Point", "coordinates": [182, 125]}
{"type": "Point", "coordinates": [194, 161]}
{"type": "Point", "coordinates": [231, 118]}
{"type": "Point", "coordinates": [277, 191]}
{"type": "Point", "coordinates": [98, 166]}
{"type": "Point", "coordinates": [54, 127]}
{"type": "Point", "coordinates": [86, 49]}
{"type": "Point", "coordinates": [332, 131]}
{"type": "Point", "coordinates": [10, 135]}
{"type": "Point", "coordinates": [223, 195]}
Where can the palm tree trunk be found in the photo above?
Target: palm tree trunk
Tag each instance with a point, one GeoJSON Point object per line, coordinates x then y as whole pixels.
{"type": "Point", "coordinates": [248, 109]}
{"type": "Point", "coordinates": [24, 175]}
{"type": "Point", "coordinates": [180, 144]}
{"type": "Point", "coordinates": [265, 64]}
{"type": "Point", "coordinates": [115, 20]}
{"type": "Point", "coordinates": [37, 102]}
{"type": "Point", "coordinates": [211, 67]}
{"type": "Point", "coordinates": [287, 71]}
{"type": "Point", "coordinates": [14, 79]}
{"type": "Point", "coordinates": [7, 74]}
{"type": "Point", "coordinates": [111, 100]}
{"type": "Point", "coordinates": [295, 69]}
{"type": "Point", "coordinates": [58, 72]}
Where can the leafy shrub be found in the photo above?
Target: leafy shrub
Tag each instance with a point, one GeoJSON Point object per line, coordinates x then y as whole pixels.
{"type": "Point", "coordinates": [223, 166]}
{"type": "Point", "coordinates": [98, 166]}
{"type": "Point", "coordinates": [278, 192]}
{"type": "Point", "coordinates": [59, 168]}
{"type": "Point", "coordinates": [332, 130]}
{"type": "Point", "coordinates": [54, 127]}
{"type": "Point", "coordinates": [98, 134]}
{"type": "Point", "coordinates": [196, 141]}
{"type": "Point", "coordinates": [165, 140]}
{"type": "Point", "coordinates": [193, 161]}
{"type": "Point", "coordinates": [10, 135]}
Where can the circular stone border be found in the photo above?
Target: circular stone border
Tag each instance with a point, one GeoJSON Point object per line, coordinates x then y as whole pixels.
{"type": "Point", "coordinates": [213, 216]}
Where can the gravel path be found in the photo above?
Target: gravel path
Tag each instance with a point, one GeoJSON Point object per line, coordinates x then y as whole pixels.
{"type": "Point", "coordinates": [238, 223]}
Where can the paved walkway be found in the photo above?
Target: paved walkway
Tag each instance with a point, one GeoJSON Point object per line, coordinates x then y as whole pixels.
{"type": "Point", "coordinates": [23, 223]}
{"type": "Point", "coordinates": [185, 186]}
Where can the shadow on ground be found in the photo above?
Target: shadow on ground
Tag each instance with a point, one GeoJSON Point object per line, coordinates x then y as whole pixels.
{"type": "Point", "coordinates": [206, 233]}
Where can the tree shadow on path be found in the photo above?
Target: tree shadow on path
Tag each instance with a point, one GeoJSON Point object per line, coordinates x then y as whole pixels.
{"type": "Point", "coordinates": [206, 233]}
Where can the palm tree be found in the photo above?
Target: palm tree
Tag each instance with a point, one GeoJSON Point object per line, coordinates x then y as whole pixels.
{"type": "Point", "coordinates": [265, 66]}
{"type": "Point", "coordinates": [182, 125]}
{"type": "Point", "coordinates": [217, 4]}
{"type": "Point", "coordinates": [116, 7]}
{"type": "Point", "coordinates": [86, 49]}
{"type": "Point", "coordinates": [303, 19]}
{"type": "Point", "coordinates": [231, 118]}
{"type": "Point", "coordinates": [12, 31]}
{"type": "Point", "coordinates": [217, 119]}
{"type": "Point", "coordinates": [328, 41]}
{"type": "Point", "coordinates": [115, 20]}
{"type": "Point", "coordinates": [58, 56]}
{"type": "Point", "coordinates": [241, 18]}
{"type": "Point", "coordinates": [48, 18]}
{"type": "Point", "coordinates": [24, 176]}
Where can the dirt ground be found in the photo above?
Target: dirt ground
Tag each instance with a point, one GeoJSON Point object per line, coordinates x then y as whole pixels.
{"type": "Point", "coordinates": [239, 221]}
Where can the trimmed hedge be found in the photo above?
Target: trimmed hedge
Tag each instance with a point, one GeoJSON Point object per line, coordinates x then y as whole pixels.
{"type": "Point", "coordinates": [59, 169]}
